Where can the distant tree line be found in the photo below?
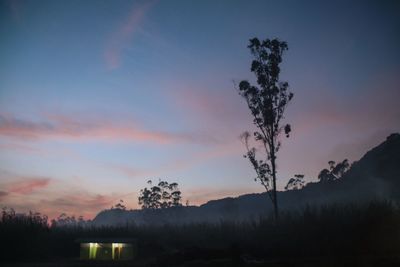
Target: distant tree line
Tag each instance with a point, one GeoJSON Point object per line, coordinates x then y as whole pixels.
{"type": "Point", "coordinates": [334, 172]}
{"type": "Point", "coordinates": [65, 220]}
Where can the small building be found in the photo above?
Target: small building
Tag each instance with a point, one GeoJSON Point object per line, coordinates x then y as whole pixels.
{"type": "Point", "coordinates": [107, 248]}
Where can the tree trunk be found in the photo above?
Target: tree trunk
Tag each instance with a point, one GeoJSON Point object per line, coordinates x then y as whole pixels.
{"type": "Point", "coordinates": [276, 212]}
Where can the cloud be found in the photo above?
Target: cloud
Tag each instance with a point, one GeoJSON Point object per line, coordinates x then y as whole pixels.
{"type": "Point", "coordinates": [52, 204]}
{"type": "Point", "coordinates": [67, 128]}
{"type": "Point", "coordinates": [123, 35]}
{"type": "Point", "coordinates": [82, 201]}
{"type": "Point", "coordinates": [23, 186]}
{"type": "Point", "coordinates": [77, 202]}
{"type": "Point", "coordinates": [27, 187]}
{"type": "Point", "coordinates": [30, 193]}
{"type": "Point", "coordinates": [3, 195]}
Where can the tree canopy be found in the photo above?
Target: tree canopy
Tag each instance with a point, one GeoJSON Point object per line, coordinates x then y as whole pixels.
{"type": "Point", "coordinates": [296, 183]}
{"type": "Point", "coordinates": [334, 172]}
{"type": "Point", "coordinates": [162, 195]}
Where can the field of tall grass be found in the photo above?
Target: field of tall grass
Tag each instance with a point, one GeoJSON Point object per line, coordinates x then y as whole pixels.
{"type": "Point", "coordinates": [366, 234]}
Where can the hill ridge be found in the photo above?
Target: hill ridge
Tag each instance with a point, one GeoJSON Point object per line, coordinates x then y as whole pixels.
{"type": "Point", "coordinates": [375, 175]}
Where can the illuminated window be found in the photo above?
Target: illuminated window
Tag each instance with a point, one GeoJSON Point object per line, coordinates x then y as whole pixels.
{"type": "Point", "coordinates": [92, 250]}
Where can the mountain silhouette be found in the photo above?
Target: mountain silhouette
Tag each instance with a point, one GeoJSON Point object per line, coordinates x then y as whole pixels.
{"type": "Point", "coordinates": [375, 176]}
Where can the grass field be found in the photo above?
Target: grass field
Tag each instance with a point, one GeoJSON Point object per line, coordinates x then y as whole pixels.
{"type": "Point", "coordinates": [335, 235]}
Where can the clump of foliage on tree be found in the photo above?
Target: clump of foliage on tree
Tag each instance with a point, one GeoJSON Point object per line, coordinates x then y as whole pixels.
{"type": "Point", "coordinates": [119, 206]}
{"type": "Point", "coordinates": [267, 103]}
{"type": "Point", "coordinates": [162, 195]}
{"type": "Point", "coordinates": [334, 172]}
{"type": "Point", "coordinates": [296, 183]}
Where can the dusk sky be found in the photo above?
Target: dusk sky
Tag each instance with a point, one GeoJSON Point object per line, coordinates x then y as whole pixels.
{"type": "Point", "coordinates": [97, 97]}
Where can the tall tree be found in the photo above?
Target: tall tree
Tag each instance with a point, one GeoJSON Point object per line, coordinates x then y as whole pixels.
{"type": "Point", "coordinates": [267, 103]}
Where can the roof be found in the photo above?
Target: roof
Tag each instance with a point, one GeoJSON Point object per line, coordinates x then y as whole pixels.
{"type": "Point", "coordinates": [105, 240]}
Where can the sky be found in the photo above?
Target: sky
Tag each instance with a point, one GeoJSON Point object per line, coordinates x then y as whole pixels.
{"type": "Point", "coordinates": [98, 97]}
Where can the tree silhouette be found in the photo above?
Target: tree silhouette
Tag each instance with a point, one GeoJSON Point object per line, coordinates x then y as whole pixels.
{"type": "Point", "coordinates": [65, 220]}
{"type": "Point", "coordinates": [119, 206]}
{"type": "Point", "coordinates": [267, 103]}
{"type": "Point", "coordinates": [296, 183]}
{"type": "Point", "coordinates": [162, 195]}
{"type": "Point", "coordinates": [335, 171]}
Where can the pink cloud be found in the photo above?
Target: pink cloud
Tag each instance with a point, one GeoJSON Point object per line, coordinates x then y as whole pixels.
{"type": "Point", "coordinates": [26, 194]}
{"type": "Point", "coordinates": [68, 128]}
{"type": "Point", "coordinates": [3, 195]}
{"type": "Point", "coordinates": [27, 186]}
{"type": "Point", "coordinates": [83, 204]}
{"type": "Point", "coordinates": [80, 203]}
{"type": "Point", "coordinates": [77, 204]}
{"type": "Point", "coordinates": [121, 37]}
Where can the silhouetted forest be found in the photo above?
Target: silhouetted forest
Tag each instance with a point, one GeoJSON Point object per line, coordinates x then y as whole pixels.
{"type": "Point", "coordinates": [334, 234]}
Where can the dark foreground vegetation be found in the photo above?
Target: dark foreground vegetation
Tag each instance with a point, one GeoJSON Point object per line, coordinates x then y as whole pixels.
{"type": "Point", "coordinates": [334, 235]}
